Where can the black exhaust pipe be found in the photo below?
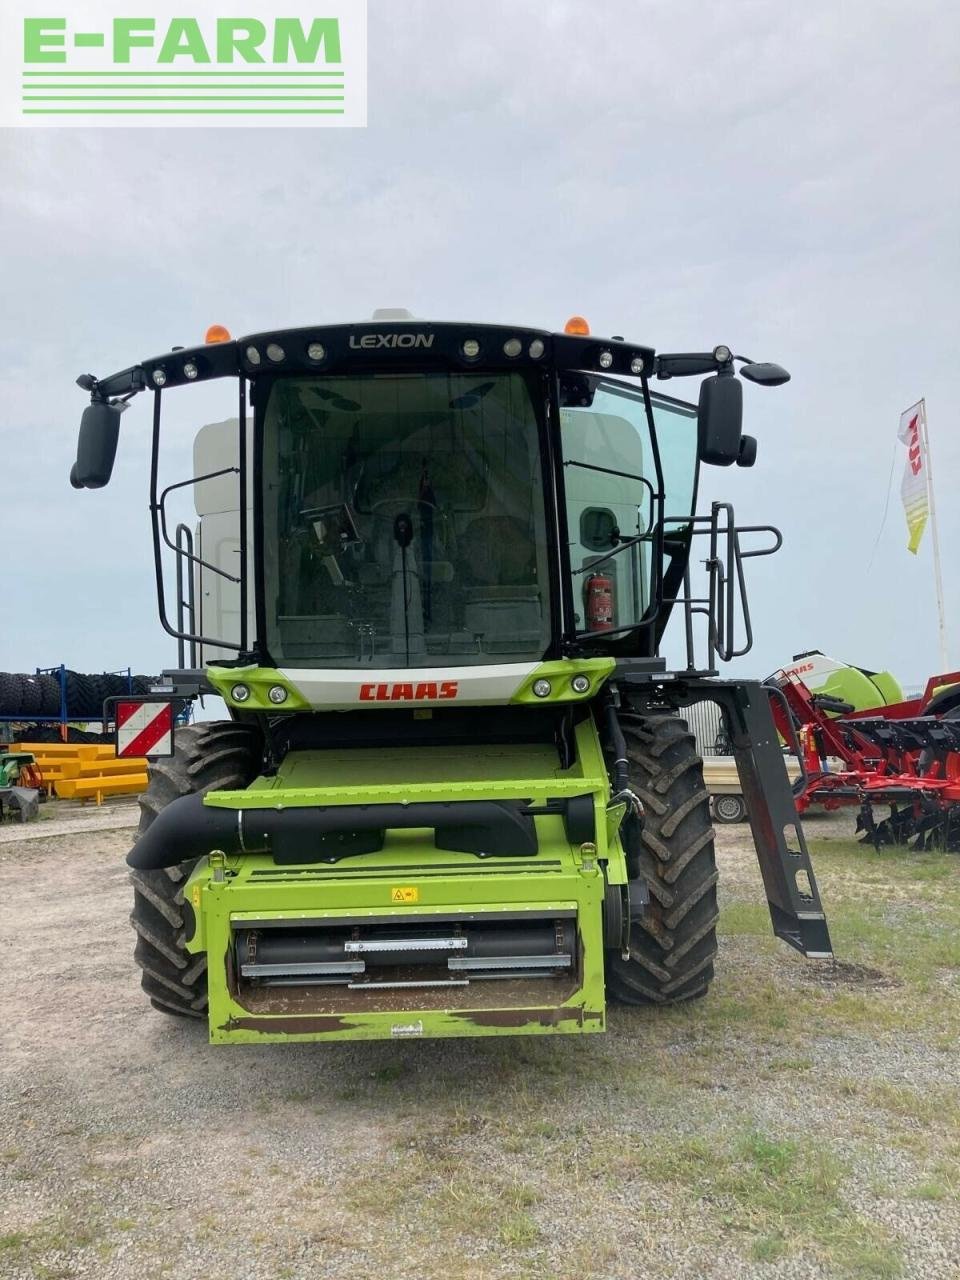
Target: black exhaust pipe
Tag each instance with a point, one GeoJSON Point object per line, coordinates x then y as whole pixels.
{"type": "Point", "coordinates": [188, 829]}
{"type": "Point", "coordinates": [185, 830]}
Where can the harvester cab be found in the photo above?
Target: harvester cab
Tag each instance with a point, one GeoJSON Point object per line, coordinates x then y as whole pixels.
{"type": "Point", "coordinates": [430, 580]}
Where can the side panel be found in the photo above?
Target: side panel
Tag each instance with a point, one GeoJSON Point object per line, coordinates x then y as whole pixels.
{"type": "Point", "coordinates": [217, 504]}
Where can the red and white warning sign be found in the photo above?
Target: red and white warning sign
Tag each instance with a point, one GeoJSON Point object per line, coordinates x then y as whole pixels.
{"type": "Point", "coordinates": [144, 728]}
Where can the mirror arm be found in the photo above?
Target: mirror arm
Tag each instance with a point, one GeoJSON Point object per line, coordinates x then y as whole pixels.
{"type": "Point", "coordinates": [124, 384]}
{"type": "Point", "coordinates": [685, 366]}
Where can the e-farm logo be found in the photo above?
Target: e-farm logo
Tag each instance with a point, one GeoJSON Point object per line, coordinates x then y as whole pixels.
{"type": "Point", "coordinates": [104, 62]}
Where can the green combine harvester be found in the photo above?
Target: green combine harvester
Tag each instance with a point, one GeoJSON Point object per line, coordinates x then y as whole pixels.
{"type": "Point", "coordinates": [455, 795]}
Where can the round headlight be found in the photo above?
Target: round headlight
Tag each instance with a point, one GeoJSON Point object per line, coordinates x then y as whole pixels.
{"type": "Point", "coordinates": [512, 347]}
{"type": "Point", "coordinates": [276, 353]}
{"type": "Point", "coordinates": [240, 693]}
{"type": "Point", "coordinates": [580, 684]}
{"type": "Point", "coordinates": [470, 348]}
{"type": "Point", "coordinates": [159, 378]}
{"type": "Point", "coordinates": [536, 349]}
{"type": "Point", "coordinates": [253, 355]}
{"type": "Point", "coordinates": [636, 364]}
{"type": "Point", "coordinates": [605, 359]}
{"type": "Point", "coordinates": [190, 369]}
{"type": "Point", "coordinates": [542, 688]}
{"type": "Point", "coordinates": [317, 351]}
{"type": "Point", "coordinates": [277, 693]}
{"type": "Point", "coordinates": [721, 355]}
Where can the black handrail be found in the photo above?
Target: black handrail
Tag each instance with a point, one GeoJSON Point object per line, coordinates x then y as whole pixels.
{"type": "Point", "coordinates": [161, 536]}
{"type": "Point", "coordinates": [186, 606]}
{"type": "Point", "coordinates": [725, 606]}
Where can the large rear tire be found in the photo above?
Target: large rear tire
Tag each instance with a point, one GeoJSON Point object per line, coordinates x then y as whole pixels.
{"type": "Point", "coordinates": [219, 756]}
{"type": "Point", "coordinates": [673, 944]}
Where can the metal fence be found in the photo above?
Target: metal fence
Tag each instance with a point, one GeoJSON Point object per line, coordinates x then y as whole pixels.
{"type": "Point", "coordinates": [706, 723]}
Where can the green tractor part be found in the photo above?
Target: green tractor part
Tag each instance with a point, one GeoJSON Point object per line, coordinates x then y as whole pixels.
{"type": "Point", "coordinates": [852, 688]}
{"type": "Point", "coordinates": [17, 768]}
{"type": "Point", "coordinates": [21, 786]}
{"type": "Point", "coordinates": [429, 578]}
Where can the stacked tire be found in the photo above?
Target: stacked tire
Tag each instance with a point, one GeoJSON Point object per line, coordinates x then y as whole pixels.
{"type": "Point", "coordinates": [51, 733]}
{"type": "Point", "coordinates": [26, 697]}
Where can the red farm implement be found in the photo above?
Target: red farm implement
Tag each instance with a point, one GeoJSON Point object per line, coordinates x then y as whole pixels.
{"type": "Point", "coordinates": [904, 758]}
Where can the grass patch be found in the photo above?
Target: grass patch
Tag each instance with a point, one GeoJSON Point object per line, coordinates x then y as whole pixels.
{"type": "Point", "coordinates": [750, 919]}
{"type": "Point", "coordinates": [441, 1186]}
{"type": "Point", "coordinates": [768, 1248]}
{"type": "Point", "coordinates": [895, 923]}
{"type": "Point", "coordinates": [781, 1196]}
{"type": "Point", "coordinates": [519, 1231]}
{"type": "Point", "coordinates": [930, 1190]}
{"type": "Point", "coordinates": [45, 1247]}
{"type": "Point", "coordinates": [932, 1106]}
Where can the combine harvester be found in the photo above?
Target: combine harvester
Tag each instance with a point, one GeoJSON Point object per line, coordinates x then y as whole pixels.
{"type": "Point", "coordinates": [455, 795]}
{"type": "Point", "coordinates": [902, 755]}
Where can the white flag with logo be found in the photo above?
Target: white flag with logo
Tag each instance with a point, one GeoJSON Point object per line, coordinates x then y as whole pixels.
{"type": "Point", "coordinates": [913, 487]}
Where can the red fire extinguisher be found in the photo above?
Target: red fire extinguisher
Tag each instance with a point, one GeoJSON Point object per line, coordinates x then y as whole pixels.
{"type": "Point", "coordinates": [598, 590]}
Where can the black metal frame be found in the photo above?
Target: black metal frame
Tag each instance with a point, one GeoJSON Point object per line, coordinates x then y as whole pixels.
{"type": "Point", "coordinates": [792, 895]}
{"type": "Point", "coordinates": [182, 547]}
{"type": "Point", "coordinates": [186, 603]}
{"type": "Point", "coordinates": [346, 347]}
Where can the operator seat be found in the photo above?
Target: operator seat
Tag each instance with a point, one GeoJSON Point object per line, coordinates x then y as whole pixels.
{"type": "Point", "coordinates": [496, 551]}
{"type": "Point", "coordinates": [497, 563]}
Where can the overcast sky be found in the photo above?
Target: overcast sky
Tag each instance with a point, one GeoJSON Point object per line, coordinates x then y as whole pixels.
{"type": "Point", "coordinates": [781, 178]}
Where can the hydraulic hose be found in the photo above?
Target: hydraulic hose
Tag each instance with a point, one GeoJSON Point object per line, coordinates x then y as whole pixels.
{"type": "Point", "coordinates": [618, 743]}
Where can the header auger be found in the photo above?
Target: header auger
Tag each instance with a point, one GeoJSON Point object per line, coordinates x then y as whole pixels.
{"type": "Point", "coordinates": [429, 578]}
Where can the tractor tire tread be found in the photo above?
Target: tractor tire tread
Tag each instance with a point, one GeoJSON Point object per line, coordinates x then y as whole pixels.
{"type": "Point", "coordinates": [673, 944]}
{"type": "Point", "coordinates": [215, 756]}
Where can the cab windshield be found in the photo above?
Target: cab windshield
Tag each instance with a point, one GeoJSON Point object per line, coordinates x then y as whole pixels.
{"type": "Point", "coordinates": [404, 521]}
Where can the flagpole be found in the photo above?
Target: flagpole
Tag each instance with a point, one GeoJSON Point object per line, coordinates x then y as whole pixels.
{"type": "Point", "coordinates": [935, 533]}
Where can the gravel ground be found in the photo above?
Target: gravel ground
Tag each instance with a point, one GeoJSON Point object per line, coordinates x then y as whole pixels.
{"type": "Point", "coordinates": [799, 1123]}
{"type": "Point", "coordinates": [64, 818]}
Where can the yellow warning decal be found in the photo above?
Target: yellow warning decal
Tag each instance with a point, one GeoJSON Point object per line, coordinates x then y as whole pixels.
{"type": "Point", "coordinates": [405, 893]}
{"type": "Point", "coordinates": [195, 895]}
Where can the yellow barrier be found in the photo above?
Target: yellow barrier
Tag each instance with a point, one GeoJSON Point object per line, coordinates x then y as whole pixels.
{"type": "Point", "coordinates": [87, 770]}
{"type": "Point", "coordinates": [85, 788]}
{"type": "Point", "coordinates": [98, 768]}
{"type": "Point", "coordinates": [70, 750]}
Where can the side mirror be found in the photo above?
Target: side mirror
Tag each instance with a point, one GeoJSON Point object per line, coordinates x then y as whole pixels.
{"type": "Point", "coordinates": [765, 374]}
{"type": "Point", "coordinates": [748, 451]}
{"type": "Point", "coordinates": [720, 420]}
{"type": "Point", "coordinates": [96, 445]}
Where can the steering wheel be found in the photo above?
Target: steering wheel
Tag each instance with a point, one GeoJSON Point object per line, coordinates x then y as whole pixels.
{"type": "Point", "coordinates": [409, 503]}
